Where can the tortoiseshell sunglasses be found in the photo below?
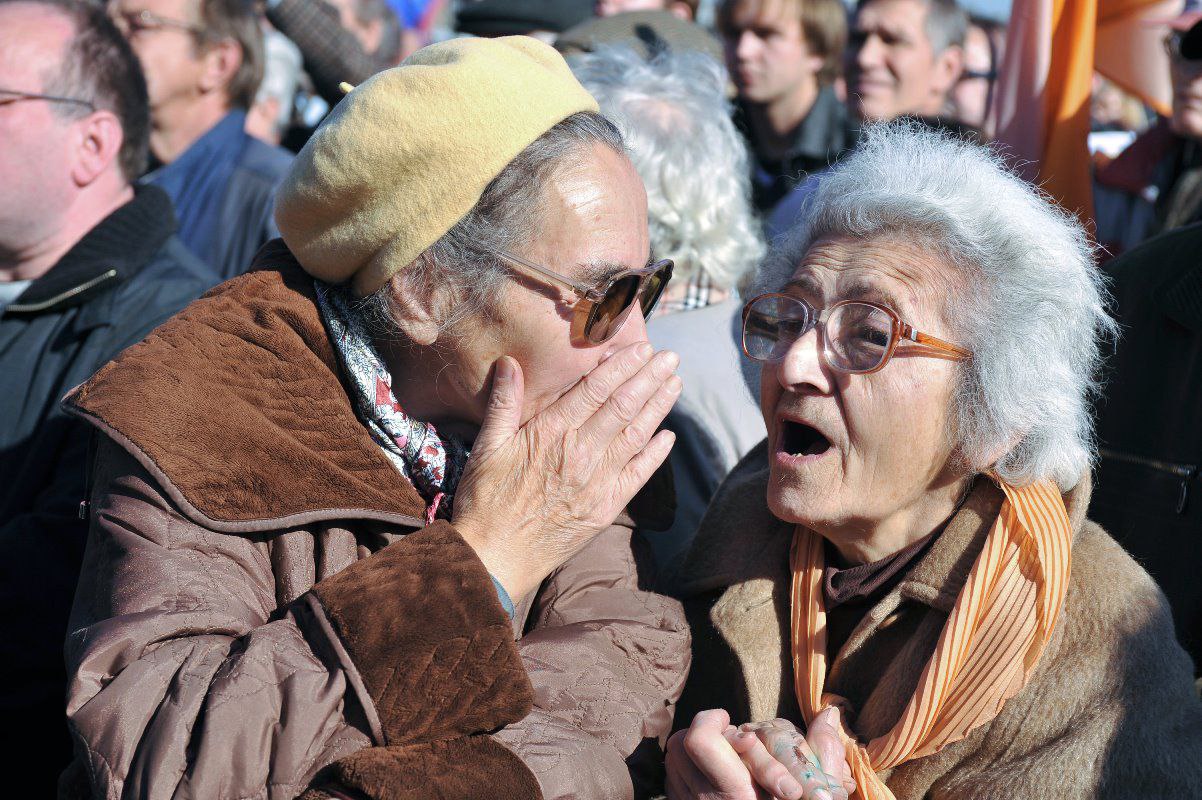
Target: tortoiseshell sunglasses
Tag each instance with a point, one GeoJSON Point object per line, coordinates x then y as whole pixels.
{"type": "Point", "coordinates": [601, 309]}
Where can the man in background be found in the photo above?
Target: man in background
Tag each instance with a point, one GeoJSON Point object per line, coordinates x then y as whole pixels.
{"type": "Point", "coordinates": [973, 93]}
{"type": "Point", "coordinates": [203, 61]}
{"type": "Point", "coordinates": [1155, 184]}
{"type": "Point", "coordinates": [88, 266]}
{"type": "Point", "coordinates": [783, 58]}
{"type": "Point", "coordinates": [904, 58]}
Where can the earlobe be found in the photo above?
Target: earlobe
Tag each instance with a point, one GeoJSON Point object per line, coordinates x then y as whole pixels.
{"type": "Point", "coordinates": [99, 143]}
{"type": "Point", "coordinates": [951, 62]}
{"type": "Point", "coordinates": [414, 311]}
{"type": "Point", "coordinates": [221, 63]}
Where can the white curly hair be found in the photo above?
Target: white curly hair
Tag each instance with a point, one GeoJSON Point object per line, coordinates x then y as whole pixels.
{"type": "Point", "coordinates": [675, 120]}
{"type": "Point", "coordinates": [1032, 307]}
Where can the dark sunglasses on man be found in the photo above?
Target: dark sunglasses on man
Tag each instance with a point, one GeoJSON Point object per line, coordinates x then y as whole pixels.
{"type": "Point", "coordinates": [1184, 41]}
{"type": "Point", "coordinates": [601, 309]}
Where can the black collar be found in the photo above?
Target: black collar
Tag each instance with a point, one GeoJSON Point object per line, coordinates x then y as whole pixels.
{"type": "Point", "coordinates": [113, 251]}
{"type": "Point", "coordinates": [821, 136]}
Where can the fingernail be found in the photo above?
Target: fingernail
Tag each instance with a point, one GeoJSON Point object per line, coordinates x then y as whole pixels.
{"type": "Point", "coordinates": [822, 794]}
{"type": "Point", "coordinates": [674, 384]}
{"type": "Point", "coordinates": [504, 369]}
{"type": "Point", "coordinates": [790, 789]}
{"type": "Point", "coordinates": [645, 350]}
{"type": "Point", "coordinates": [745, 734]}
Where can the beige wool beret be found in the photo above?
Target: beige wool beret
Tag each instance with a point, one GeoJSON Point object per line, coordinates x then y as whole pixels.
{"type": "Point", "coordinates": [407, 153]}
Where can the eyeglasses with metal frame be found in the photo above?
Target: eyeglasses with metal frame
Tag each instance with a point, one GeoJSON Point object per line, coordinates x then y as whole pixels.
{"type": "Point", "coordinates": [856, 336]}
{"type": "Point", "coordinates": [9, 96]}
{"type": "Point", "coordinates": [601, 309]}
{"type": "Point", "coordinates": [134, 22]}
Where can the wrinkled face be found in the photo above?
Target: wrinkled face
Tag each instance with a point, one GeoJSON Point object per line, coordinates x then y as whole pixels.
{"type": "Point", "coordinates": [767, 54]}
{"type": "Point", "coordinates": [37, 141]}
{"type": "Point", "coordinates": [1187, 97]}
{"type": "Point", "coordinates": [971, 92]}
{"type": "Point", "coordinates": [596, 226]}
{"type": "Point", "coordinates": [891, 67]}
{"type": "Point", "coordinates": [853, 452]}
{"type": "Point", "coordinates": [170, 57]}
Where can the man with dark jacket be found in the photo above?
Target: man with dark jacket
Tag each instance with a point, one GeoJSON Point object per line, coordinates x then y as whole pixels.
{"type": "Point", "coordinates": [88, 266]}
{"type": "Point", "coordinates": [203, 61]}
{"type": "Point", "coordinates": [1148, 490]}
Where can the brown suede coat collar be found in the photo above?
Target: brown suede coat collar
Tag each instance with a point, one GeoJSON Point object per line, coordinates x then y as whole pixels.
{"type": "Point", "coordinates": [236, 407]}
{"type": "Point", "coordinates": [750, 569]}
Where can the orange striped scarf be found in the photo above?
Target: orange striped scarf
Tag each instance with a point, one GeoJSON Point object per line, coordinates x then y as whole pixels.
{"type": "Point", "coordinates": [989, 646]}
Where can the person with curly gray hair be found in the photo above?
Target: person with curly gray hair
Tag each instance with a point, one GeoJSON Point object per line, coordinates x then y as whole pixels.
{"type": "Point", "coordinates": [910, 545]}
{"type": "Point", "coordinates": [675, 118]}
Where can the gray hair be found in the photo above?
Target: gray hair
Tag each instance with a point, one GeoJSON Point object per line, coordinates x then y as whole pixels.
{"type": "Point", "coordinates": [1031, 306]}
{"type": "Point", "coordinates": [508, 214]}
{"type": "Point", "coordinates": [946, 23]}
{"type": "Point", "coordinates": [675, 118]}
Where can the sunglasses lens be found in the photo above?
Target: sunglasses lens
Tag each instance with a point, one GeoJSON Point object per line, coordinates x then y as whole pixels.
{"type": "Point", "coordinates": [653, 288]}
{"type": "Point", "coordinates": [608, 315]}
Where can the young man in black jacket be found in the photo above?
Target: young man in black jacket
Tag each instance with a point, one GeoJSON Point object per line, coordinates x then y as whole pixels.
{"type": "Point", "coordinates": [89, 264]}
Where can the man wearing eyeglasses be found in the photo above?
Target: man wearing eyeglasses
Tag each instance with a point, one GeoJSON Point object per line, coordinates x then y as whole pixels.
{"type": "Point", "coordinates": [1155, 185]}
{"type": "Point", "coordinates": [203, 61]}
{"type": "Point", "coordinates": [88, 265]}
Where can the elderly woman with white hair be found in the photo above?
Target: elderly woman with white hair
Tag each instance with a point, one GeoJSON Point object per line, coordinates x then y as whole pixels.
{"type": "Point", "coordinates": [908, 553]}
{"type": "Point", "coordinates": [676, 120]}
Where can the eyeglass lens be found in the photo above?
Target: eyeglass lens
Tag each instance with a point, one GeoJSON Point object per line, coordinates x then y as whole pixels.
{"type": "Point", "coordinates": [610, 313]}
{"type": "Point", "coordinates": [857, 336]}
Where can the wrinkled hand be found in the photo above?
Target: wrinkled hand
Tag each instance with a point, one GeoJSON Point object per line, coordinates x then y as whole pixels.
{"type": "Point", "coordinates": [714, 760]}
{"type": "Point", "coordinates": [534, 494]}
{"type": "Point", "coordinates": [816, 760]}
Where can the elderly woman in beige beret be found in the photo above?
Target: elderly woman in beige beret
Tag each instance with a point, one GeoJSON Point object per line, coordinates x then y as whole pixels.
{"type": "Point", "coordinates": [362, 519]}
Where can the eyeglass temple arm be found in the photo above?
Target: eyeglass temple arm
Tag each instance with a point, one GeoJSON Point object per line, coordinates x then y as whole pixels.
{"type": "Point", "coordinates": [580, 289]}
{"type": "Point", "coordinates": [934, 343]}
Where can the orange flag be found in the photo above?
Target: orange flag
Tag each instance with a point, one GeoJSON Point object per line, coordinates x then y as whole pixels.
{"type": "Point", "coordinates": [1041, 107]}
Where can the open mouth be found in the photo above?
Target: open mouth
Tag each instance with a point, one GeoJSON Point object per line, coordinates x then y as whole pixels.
{"type": "Point", "coordinates": [799, 439]}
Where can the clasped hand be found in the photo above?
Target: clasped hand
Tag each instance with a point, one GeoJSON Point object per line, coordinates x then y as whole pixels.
{"type": "Point", "coordinates": [714, 760]}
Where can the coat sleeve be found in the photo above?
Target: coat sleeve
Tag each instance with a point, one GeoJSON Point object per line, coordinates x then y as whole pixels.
{"type": "Point", "coordinates": [188, 680]}
{"type": "Point", "coordinates": [607, 660]}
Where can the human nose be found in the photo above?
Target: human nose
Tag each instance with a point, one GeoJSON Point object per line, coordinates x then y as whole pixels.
{"type": "Point", "coordinates": [803, 365]}
{"type": "Point", "coordinates": [870, 52]}
{"type": "Point", "coordinates": [747, 46]}
{"type": "Point", "coordinates": [633, 330]}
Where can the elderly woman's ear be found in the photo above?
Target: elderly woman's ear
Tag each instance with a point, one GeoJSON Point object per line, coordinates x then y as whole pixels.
{"type": "Point", "coordinates": [418, 309]}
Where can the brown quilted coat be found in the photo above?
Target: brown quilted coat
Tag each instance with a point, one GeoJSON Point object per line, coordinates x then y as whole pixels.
{"type": "Point", "coordinates": [263, 612]}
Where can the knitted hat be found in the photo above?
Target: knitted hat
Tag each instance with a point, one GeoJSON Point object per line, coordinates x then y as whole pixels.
{"type": "Point", "coordinates": [402, 158]}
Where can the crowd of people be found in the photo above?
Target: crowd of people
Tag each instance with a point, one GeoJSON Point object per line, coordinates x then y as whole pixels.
{"type": "Point", "coordinates": [588, 399]}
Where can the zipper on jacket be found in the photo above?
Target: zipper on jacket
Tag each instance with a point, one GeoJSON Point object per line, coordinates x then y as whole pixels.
{"type": "Point", "coordinates": [1185, 472]}
{"type": "Point", "coordinates": [67, 295]}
